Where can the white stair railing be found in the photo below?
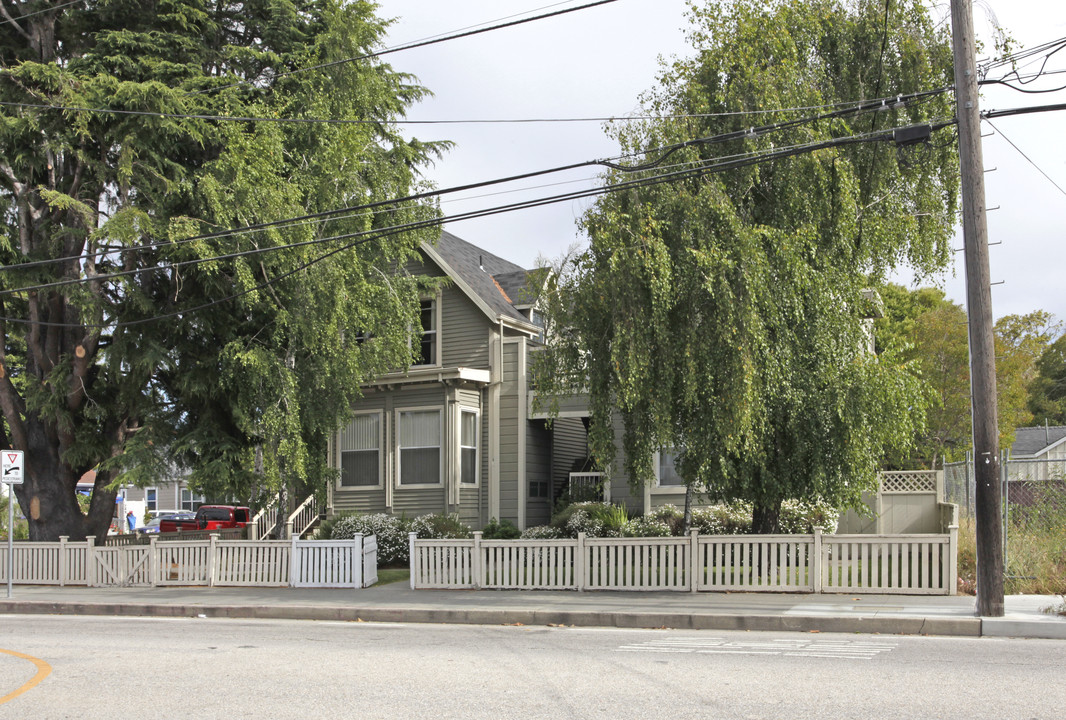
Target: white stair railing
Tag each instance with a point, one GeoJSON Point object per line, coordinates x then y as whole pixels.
{"type": "Point", "coordinates": [302, 518]}
{"type": "Point", "coordinates": [265, 520]}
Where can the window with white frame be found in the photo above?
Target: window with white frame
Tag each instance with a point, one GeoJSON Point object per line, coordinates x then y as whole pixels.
{"type": "Point", "coordinates": [468, 436]}
{"type": "Point", "coordinates": [151, 499]}
{"type": "Point", "coordinates": [190, 500]}
{"type": "Point", "coordinates": [419, 447]}
{"type": "Point", "coordinates": [360, 448]}
{"type": "Point", "coordinates": [668, 475]}
{"type": "Point", "coordinates": [427, 354]}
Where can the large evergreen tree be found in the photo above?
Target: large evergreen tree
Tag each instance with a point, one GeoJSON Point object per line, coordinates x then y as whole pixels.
{"type": "Point", "coordinates": [238, 367]}
{"type": "Point", "coordinates": [724, 313]}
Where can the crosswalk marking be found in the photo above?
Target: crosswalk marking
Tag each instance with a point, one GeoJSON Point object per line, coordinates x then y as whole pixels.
{"type": "Point", "coordinates": [846, 649]}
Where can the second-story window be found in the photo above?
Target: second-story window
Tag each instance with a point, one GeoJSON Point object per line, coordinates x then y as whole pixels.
{"type": "Point", "coordinates": [428, 350]}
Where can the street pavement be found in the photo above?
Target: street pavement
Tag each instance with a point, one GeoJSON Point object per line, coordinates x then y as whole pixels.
{"type": "Point", "coordinates": [397, 602]}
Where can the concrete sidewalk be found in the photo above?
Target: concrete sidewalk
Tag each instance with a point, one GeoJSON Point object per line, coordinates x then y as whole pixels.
{"type": "Point", "coordinates": [396, 602]}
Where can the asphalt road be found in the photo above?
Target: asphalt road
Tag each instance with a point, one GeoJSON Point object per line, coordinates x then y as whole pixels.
{"type": "Point", "coordinates": [116, 668]}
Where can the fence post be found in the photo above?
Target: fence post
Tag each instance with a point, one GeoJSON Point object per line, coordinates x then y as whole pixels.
{"type": "Point", "coordinates": [411, 556]}
{"type": "Point", "coordinates": [357, 558]}
{"type": "Point", "coordinates": [816, 579]}
{"type": "Point", "coordinates": [579, 562]}
{"type": "Point", "coordinates": [212, 566]}
{"type": "Point", "coordinates": [90, 560]}
{"type": "Point", "coordinates": [953, 559]}
{"type": "Point", "coordinates": [295, 566]}
{"type": "Point", "coordinates": [694, 561]}
{"type": "Point", "coordinates": [475, 562]}
{"type": "Point", "coordinates": [153, 561]}
{"type": "Point", "coordinates": [63, 559]}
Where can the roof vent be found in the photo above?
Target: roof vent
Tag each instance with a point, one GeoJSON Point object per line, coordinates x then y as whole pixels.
{"type": "Point", "coordinates": [481, 262]}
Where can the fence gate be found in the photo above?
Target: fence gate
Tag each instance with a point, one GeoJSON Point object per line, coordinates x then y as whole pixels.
{"type": "Point", "coordinates": [125, 566]}
{"type": "Point", "coordinates": [328, 563]}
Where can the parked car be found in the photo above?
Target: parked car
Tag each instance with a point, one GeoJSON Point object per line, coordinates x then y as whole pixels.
{"type": "Point", "coordinates": [210, 517]}
{"type": "Point", "coordinates": [152, 526]}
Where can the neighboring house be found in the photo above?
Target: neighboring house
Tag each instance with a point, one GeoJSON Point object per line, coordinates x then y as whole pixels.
{"type": "Point", "coordinates": [456, 433]}
{"type": "Point", "coordinates": [1038, 453]}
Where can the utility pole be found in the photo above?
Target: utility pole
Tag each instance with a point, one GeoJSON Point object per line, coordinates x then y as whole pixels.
{"type": "Point", "coordinates": [979, 309]}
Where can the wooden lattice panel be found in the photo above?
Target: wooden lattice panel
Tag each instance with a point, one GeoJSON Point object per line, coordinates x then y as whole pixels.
{"type": "Point", "coordinates": [909, 481]}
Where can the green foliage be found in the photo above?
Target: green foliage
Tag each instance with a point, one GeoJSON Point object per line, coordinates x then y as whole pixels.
{"type": "Point", "coordinates": [1047, 400]}
{"type": "Point", "coordinates": [393, 542]}
{"type": "Point", "coordinates": [500, 530]}
{"type": "Point", "coordinates": [724, 313]}
{"type": "Point", "coordinates": [238, 368]}
{"type": "Point", "coordinates": [928, 333]}
{"type": "Point", "coordinates": [21, 529]}
{"type": "Point", "coordinates": [439, 526]}
{"type": "Point", "coordinates": [595, 519]}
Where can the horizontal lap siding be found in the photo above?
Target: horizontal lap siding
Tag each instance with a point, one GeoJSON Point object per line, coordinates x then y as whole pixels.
{"type": "Point", "coordinates": [372, 501]}
{"type": "Point", "coordinates": [417, 502]}
{"type": "Point", "coordinates": [538, 469]}
{"type": "Point", "coordinates": [464, 331]}
{"type": "Point", "coordinates": [569, 445]}
{"type": "Point", "coordinates": [509, 429]}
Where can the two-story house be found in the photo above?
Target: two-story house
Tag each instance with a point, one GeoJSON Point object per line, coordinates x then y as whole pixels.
{"type": "Point", "coordinates": [457, 432]}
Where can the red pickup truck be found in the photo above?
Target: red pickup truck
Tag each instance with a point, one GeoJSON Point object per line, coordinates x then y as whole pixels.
{"type": "Point", "coordinates": [210, 517]}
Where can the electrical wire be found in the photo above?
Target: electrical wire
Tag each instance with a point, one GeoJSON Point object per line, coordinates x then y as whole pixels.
{"type": "Point", "coordinates": [366, 236]}
{"type": "Point", "coordinates": [1022, 153]}
{"type": "Point", "coordinates": [411, 46]}
{"type": "Point", "coordinates": [874, 105]}
{"type": "Point", "coordinates": [13, 21]}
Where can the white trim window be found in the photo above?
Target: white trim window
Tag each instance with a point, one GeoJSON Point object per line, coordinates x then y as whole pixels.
{"type": "Point", "coordinates": [151, 499]}
{"type": "Point", "coordinates": [419, 448]}
{"type": "Point", "coordinates": [468, 448]}
{"type": "Point", "coordinates": [666, 475]}
{"type": "Point", "coordinates": [429, 345]}
{"type": "Point", "coordinates": [360, 452]}
{"type": "Point", "coordinates": [190, 501]}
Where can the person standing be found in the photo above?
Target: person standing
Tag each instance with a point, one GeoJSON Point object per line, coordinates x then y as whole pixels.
{"type": "Point", "coordinates": [131, 521]}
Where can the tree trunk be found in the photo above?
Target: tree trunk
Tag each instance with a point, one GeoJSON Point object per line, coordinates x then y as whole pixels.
{"type": "Point", "coordinates": [765, 517]}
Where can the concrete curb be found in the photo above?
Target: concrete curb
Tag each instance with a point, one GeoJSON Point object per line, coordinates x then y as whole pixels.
{"type": "Point", "coordinates": [964, 627]}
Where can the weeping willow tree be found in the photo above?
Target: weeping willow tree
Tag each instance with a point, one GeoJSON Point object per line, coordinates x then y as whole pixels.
{"type": "Point", "coordinates": [135, 331]}
{"type": "Point", "coordinates": [724, 313]}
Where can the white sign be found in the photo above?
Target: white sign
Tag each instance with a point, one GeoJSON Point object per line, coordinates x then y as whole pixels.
{"type": "Point", "coordinates": [11, 466]}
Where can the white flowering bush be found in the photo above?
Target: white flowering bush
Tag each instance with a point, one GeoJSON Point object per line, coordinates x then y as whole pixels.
{"type": "Point", "coordinates": [439, 527]}
{"type": "Point", "coordinates": [645, 527]}
{"type": "Point", "coordinates": [800, 518]}
{"type": "Point", "coordinates": [732, 519]}
{"type": "Point", "coordinates": [582, 521]}
{"type": "Point", "coordinates": [542, 532]}
{"type": "Point", "coordinates": [390, 532]}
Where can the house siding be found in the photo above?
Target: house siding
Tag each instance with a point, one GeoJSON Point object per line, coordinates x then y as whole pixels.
{"type": "Point", "coordinates": [569, 444]}
{"type": "Point", "coordinates": [509, 428]}
{"type": "Point", "coordinates": [464, 331]}
{"type": "Point", "coordinates": [538, 469]}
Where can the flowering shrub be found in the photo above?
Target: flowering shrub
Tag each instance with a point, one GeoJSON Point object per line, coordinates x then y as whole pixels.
{"type": "Point", "coordinates": [390, 532]}
{"type": "Point", "coordinates": [645, 527]}
{"type": "Point", "coordinates": [732, 519]}
{"type": "Point", "coordinates": [436, 526]}
{"type": "Point", "coordinates": [673, 517]}
{"type": "Point", "coordinates": [542, 532]}
{"type": "Point", "coordinates": [800, 518]}
{"type": "Point", "coordinates": [581, 521]}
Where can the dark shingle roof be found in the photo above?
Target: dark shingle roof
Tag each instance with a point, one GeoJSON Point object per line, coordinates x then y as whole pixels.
{"type": "Point", "coordinates": [477, 268]}
{"type": "Point", "coordinates": [1031, 440]}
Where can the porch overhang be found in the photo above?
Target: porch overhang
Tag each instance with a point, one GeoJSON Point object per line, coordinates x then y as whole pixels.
{"type": "Point", "coordinates": [452, 375]}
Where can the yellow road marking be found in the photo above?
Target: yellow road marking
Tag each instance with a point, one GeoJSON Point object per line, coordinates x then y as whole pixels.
{"type": "Point", "coordinates": [43, 670]}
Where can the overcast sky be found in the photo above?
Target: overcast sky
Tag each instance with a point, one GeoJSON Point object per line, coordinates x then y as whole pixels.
{"type": "Point", "coordinates": [597, 62]}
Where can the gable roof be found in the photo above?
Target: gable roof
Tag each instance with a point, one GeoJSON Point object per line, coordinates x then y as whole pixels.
{"type": "Point", "coordinates": [1034, 440]}
{"type": "Point", "coordinates": [478, 273]}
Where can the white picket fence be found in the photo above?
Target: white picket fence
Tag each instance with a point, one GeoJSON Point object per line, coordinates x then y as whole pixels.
{"type": "Point", "coordinates": [212, 562]}
{"type": "Point", "coordinates": [903, 564]}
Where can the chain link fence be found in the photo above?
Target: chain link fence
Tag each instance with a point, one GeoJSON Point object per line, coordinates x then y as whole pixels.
{"type": "Point", "coordinates": [1034, 516]}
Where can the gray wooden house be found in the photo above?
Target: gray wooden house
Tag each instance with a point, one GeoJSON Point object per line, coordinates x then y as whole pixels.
{"type": "Point", "coordinates": [457, 432]}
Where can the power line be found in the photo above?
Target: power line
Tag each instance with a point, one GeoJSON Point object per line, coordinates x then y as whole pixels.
{"type": "Point", "coordinates": [878, 104]}
{"type": "Point", "coordinates": [1020, 152]}
{"type": "Point", "coordinates": [368, 235]}
{"type": "Point", "coordinates": [41, 12]}
{"type": "Point", "coordinates": [411, 46]}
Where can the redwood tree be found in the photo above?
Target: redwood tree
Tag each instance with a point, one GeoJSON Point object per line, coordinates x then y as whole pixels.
{"type": "Point", "coordinates": [238, 368]}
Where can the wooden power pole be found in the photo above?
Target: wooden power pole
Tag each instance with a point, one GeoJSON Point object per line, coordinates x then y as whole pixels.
{"type": "Point", "coordinates": [988, 512]}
